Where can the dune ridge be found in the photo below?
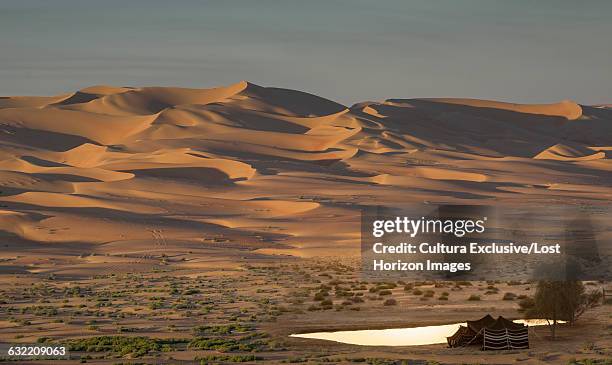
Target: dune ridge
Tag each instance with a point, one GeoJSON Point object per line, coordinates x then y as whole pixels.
{"type": "Point", "coordinates": [267, 170]}
{"type": "Point", "coordinates": [566, 108]}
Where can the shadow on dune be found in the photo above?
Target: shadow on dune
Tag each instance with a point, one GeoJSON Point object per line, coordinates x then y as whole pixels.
{"type": "Point", "coordinates": [78, 98]}
{"type": "Point", "coordinates": [295, 102]}
{"type": "Point", "coordinates": [490, 131]}
{"type": "Point", "coordinates": [200, 175]}
{"type": "Point", "coordinates": [40, 139]}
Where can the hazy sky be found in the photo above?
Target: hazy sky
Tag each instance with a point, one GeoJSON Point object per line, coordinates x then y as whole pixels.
{"type": "Point", "coordinates": [349, 51]}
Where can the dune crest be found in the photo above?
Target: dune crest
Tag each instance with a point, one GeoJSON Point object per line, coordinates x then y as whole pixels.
{"type": "Point", "coordinates": [566, 108]}
{"type": "Point", "coordinates": [574, 152]}
{"type": "Point", "coordinates": [152, 100]}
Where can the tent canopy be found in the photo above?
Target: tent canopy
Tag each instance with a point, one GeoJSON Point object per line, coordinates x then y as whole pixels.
{"type": "Point", "coordinates": [481, 323]}
{"type": "Point", "coordinates": [491, 334]}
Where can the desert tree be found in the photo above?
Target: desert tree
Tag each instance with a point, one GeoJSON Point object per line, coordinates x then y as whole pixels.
{"type": "Point", "coordinates": [561, 301]}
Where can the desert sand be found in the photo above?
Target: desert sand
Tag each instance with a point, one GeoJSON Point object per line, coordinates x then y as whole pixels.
{"type": "Point", "coordinates": [113, 181]}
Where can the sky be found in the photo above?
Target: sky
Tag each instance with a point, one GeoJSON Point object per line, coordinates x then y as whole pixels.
{"type": "Point", "coordinates": [344, 50]}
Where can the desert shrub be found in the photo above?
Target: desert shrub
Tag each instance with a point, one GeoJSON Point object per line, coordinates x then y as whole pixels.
{"type": "Point", "coordinates": [429, 294]}
{"type": "Point", "coordinates": [214, 359]}
{"type": "Point", "coordinates": [589, 346]}
{"type": "Point", "coordinates": [320, 296]}
{"type": "Point", "coordinates": [417, 292]}
{"type": "Point", "coordinates": [509, 296]}
{"type": "Point", "coordinates": [219, 344]}
{"type": "Point", "coordinates": [343, 293]}
{"type": "Point", "coordinates": [191, 292]}
{"type": "Point", "coordinates": [491, 290]}
{"type": "Point", "coordinates": [382, 287]}
{"type": "Point", "coordinates": [474, 297]}
{"type": "Point", "coordinates": [385, 292]}
{"type": "Point", "coordinates": [390, 302]}
{"type": "Point", "coordinates": [126, 329]}
{"type": "Point", "coordinates": [156, 305]}
{"type": "Point", "coordinates": [327, 302]}
{"type": "Point", "coordinates": [220, 330]}
{"type": "Point", "coordinates": [121, 345]}
{"type": "Point", "coordinates": [590, 362]}
{"type": "Point", "coordinates": [249, 343]}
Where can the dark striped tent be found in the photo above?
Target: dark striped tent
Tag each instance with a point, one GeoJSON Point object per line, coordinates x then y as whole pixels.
{"type": "Point", "coordinates": [491, 334]}
{"type": "Point", "coordinates": [466, 333]}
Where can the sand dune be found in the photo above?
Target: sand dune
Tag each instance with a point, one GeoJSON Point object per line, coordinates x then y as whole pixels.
{"type": "Point", "coordinates": [139, 170]}
{"type": "Point", "coordinates": [103, 129]}
{"type": "Point", "coordinates": [568, 152]}
{"type": "Point", "coordinates": [566, 109]}
{"type": "Point", "coordinates": [150, 100]}
{"type": "Point", "coordinates": [30, 101]}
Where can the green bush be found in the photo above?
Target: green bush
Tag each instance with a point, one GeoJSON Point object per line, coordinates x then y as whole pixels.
{"type": "Point", "coordinates": [121, 345]}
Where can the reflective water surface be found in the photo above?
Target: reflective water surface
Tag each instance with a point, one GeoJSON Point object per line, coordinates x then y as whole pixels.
{"type": "Point", "coordinates": [414, 336]}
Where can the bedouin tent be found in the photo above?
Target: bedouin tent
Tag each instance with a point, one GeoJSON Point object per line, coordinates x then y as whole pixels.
{"type": "Point", "coordinates": [466, 333]}
{"type": "Point", "coordinates": [491, 334]}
